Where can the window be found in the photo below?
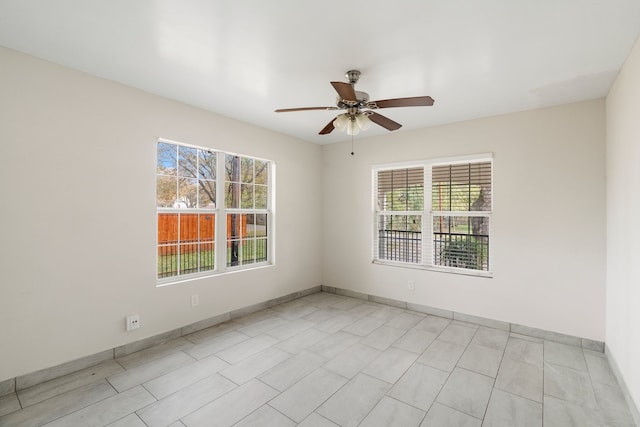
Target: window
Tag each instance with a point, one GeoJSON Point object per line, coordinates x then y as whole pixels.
{"type": "Point", "coordinates": [434, 214]}
{"type": "Point", "coordinates": [189, 212]}
{"type": "Point", "coordinates": [246, 213]}
{"type": "Point", "coordinates": [400, 212]}
{"type": "Point", "coordinates": [461, 207]}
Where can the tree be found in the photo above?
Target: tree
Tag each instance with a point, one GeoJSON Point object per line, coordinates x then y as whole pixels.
{"type": "Point", "coordinates": [186, 177]}
{"type": "Point", "coordinates": [479, 225]}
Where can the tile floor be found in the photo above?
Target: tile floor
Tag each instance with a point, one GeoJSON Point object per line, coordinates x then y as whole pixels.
{"type": "Point", "coordinates": [327, 360]}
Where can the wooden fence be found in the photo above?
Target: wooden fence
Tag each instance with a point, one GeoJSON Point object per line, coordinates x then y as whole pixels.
{"type": "Point", "coordinates": [190, 224]}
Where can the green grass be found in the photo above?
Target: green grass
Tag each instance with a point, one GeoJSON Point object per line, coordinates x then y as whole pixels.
{"type": "Point", "coordinates": [168, 264]}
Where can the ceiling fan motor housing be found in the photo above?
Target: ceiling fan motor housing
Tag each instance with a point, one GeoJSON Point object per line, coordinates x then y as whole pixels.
{"type": "Point", "coordinates": [362, 97]}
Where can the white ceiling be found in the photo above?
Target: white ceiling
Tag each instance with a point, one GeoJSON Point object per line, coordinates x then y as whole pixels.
{"type": "Point", "coordinates": [245, 58]}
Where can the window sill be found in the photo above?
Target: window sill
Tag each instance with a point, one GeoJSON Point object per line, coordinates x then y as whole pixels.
{"type": "Point", "coordinates": [450, 270]}
{"type": "Point", "coordinates": [197, 276]}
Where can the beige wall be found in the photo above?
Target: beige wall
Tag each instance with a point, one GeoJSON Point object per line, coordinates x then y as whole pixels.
{"type": "Point", "coordinates": [548, 226]}
{"type": "Point", "coordinates": [78, 191]}
{"type": "Point", "coordinates": [77, 184]}
{"type": "Point", "coordinates": [623, 222]}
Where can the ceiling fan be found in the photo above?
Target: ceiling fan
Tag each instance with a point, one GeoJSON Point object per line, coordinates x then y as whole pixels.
{"type": "Point", "coordinates": [358, 113]}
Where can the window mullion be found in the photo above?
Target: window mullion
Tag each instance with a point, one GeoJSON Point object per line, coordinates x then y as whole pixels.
{"type": "Point", "coordinates": [427, 221]}
{"type": "Point", "coordinates": [198, 240]}
{"type": "Point", "coordinates": [179, 246]}
{"type": "Point", "coordinates": [241, 238]}
{"type": "Point", "coordinates": [220, 241]}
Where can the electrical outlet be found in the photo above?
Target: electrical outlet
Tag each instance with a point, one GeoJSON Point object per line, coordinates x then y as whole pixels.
{"type": "Point", "coordinates": [133, 322]}
{"type": "Point", "coordinates": [411, 285]}
{"type": "Point", "coordinates": [194, 300]}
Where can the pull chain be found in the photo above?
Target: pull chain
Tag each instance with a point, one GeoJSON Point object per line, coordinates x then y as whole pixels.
{"type": "Point", "coordinates": [352, 145]}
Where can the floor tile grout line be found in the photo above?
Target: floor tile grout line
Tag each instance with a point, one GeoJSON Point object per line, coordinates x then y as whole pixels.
{"type": "Point", "coordinates": [433, 367]}
{"type": "Point", "coordinates": [154, 396]}
{"type": "Point", "coordinates": [121, 365]}
{"type": "Point", "coordinates": [378, 402]}
{"type": "Point", "coordinates": [517, 395]}
{"type": "Point", "coordinates": [474, 372]}
{"type": "Point", "coordinates": [435, 399]}
{"type": "Point", "coordinates": [320, 404]}
{"type": "Point", "coordinates": [493, 386]}
{"type": "Point", "coordinates": [177, 391]}
{"type": "Point", "coordinates": [19, 400]}
{"type": "Point", "coordinates": [591, 381]}
{"type": "Point", "coordinates": [407, 403]}
{"type": "Point", "coordinates": [18, 393]}
{"type": "Point", "coordinates": [568, 367]}
{"type": "Point", "coordinates": [259, 407]}
{"type": "Point", "coordinates": [84, 407]}
{"type": "Point", "coordinates": [321, 416]}
{"type": "Point", "coordinates": [345, 384]}
{"type": "Point", "coordinates": [522, 361]}
{"type": "Point", "coordinates": [457, 410]}
{"type": "Point", "coordinates": [224, 348]}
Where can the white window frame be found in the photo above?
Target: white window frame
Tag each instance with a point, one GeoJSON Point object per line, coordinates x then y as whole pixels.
{"type": "Point", "coordinates": [428, 214]}
{"type": "Point", "coordinates": [241, 211]}
{"type": "Point", "coordinates": [220, 211]}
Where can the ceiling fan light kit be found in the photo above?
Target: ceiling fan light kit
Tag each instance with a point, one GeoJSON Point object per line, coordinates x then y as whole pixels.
{"type": "Point", "coordinates": [341, 122]}
{"type": "Point", "coordinates": [352, 123]}
{"type": "Point", "coordinates": [358, 115]}
{"type": "Point", "coordinates": [363, 120]}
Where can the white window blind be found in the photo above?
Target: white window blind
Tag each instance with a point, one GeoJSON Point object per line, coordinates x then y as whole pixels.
{"type": "Point", "coordinates": [400, 201]}
{"type": "Point", "coordinates": [461, 207]}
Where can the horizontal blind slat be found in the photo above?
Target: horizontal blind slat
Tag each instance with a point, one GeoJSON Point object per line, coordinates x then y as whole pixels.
{"type": "Point", "coordinates": [400, 189]}
{"type": "Point", "coordinates": [461, 187]}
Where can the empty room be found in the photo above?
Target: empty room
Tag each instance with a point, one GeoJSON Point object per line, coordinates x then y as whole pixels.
{"type": "Point", "coordinates": [252, 213]}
